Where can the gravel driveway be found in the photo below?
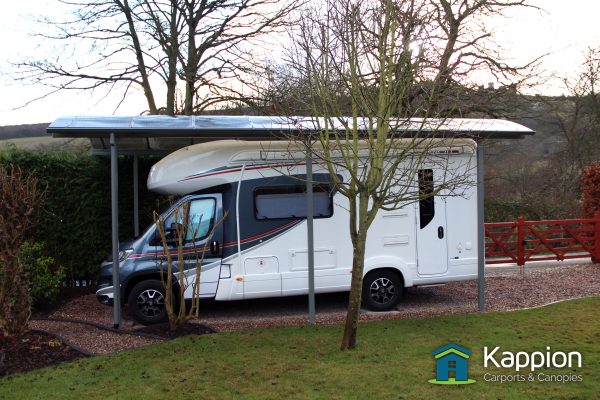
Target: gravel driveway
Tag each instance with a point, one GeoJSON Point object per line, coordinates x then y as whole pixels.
{"type": "Point", "coordinates": [506, 289]}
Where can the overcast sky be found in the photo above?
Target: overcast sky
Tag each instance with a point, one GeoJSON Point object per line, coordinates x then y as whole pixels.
{"type": "Point", "coordinates": [565, 29]}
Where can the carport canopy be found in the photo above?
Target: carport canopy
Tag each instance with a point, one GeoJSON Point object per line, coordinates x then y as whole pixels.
{"type": "Point", "coordinates": [156, 135]}
{"type": "Point", "coordinates": [160, 135]}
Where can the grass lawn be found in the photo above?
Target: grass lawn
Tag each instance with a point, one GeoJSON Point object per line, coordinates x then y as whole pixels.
{"type": "Point", "coordinates": [393, 361]}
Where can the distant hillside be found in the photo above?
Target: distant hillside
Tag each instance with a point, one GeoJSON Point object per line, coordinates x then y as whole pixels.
{"type": "Point", "coordinates": [34, 137]}
{"type": "Point", "coordinates": [23, 131]}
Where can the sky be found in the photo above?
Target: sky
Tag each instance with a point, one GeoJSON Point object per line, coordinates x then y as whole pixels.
{"type": "Point", "coordinates": [564, 29]}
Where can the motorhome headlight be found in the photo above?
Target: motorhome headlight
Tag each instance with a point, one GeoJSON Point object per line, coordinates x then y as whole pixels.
{"type": "Point", "coordinates": [124, 254]}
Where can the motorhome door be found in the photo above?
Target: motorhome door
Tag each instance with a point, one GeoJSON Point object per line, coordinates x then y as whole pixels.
{"type": "Point", "coordinates": [432, 250]}
{"type": "Point", "coordinates": [201, 217]}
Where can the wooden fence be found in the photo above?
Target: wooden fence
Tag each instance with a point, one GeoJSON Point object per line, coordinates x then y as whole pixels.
{"type": "Point", "coordinates": [522, 241]}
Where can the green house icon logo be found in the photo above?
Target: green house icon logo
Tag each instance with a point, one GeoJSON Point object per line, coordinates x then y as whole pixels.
{"type": "Point", "coordinates": [452, 365]}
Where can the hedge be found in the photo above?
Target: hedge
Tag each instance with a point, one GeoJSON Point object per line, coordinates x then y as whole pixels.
{"type": "Point", "coordinates": [75, 219]}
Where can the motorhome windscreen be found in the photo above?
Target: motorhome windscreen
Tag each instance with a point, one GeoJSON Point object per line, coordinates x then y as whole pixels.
{"type": "Point", "coordinates": [285, 202]}
{"type": "Point", "coordinates": [426, 204]}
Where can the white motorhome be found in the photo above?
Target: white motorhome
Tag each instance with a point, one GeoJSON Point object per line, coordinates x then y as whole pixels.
{"type": "Point", "coordinates": [260, 249]}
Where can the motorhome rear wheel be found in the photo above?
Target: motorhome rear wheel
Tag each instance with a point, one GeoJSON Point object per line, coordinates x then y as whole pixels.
{"type": "Point", "coordinates": [382, 290]}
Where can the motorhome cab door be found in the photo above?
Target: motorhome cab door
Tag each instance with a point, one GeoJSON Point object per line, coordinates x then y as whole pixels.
{"type": "Point", "coordinates": [202, 213]}
{"type": "Point", "coordinates": [432, 250]}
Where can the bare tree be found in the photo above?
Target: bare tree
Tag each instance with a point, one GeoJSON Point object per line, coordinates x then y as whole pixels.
{"type": "Point", "coordinates": [455, 49]}
{"type": "Point", "coordinates": [578, 115]}
{"type": "Point", "coordinates": [174, 275]}
{"type": "Point", "coordinates": [458, 44]}
{"type": "Point", "coordinates": [526, 179]}
{"type": "Point", "coordinates": [382, 63]}
{"type": "Point", "coordinates": [201, 48]}
{"type": "Point", "coordinates": [19, 195]}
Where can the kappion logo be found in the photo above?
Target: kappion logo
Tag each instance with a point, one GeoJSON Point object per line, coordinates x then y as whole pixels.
{"type": "Point", "coordinates": [451, 365]}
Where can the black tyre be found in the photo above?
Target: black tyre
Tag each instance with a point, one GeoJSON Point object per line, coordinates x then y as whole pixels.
{"type": "Point", "coordinates": [382, 290]}
{"type": "Point", "coordinates": [146, 302]}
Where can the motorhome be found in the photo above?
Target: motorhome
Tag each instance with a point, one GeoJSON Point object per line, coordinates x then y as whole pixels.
{"type": "Point", "coordinates": [260, 249]}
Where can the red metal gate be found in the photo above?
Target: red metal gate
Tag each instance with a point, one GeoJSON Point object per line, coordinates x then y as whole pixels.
{"type": "Point", "coordinates": [522, 241]}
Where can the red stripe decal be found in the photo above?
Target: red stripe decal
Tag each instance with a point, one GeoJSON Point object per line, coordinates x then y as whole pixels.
{"type": "Point", "coordinates": [228, 244]}
{"type": "Point", "coordinates": [237, 169]}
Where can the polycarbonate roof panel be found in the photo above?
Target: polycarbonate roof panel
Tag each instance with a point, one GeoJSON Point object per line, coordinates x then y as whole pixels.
{"type": "Point", "coordinates": [253, 127]}
{"type": "Point", "coordinates": [155, 134]}
{"type": "Point", "coordinates": [160, 122]}
{"type": "Point", "coordinates": [489, 128]}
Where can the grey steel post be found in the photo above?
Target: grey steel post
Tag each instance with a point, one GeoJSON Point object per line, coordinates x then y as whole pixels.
{"type": "Point", "coordinates": [114, 204]}
{"type": "Point", "coordinates": [136, 198]}
{"type": "Point", "coordinates": [480, 229]}
{"type": "Point", "coordinates": [310, 236]}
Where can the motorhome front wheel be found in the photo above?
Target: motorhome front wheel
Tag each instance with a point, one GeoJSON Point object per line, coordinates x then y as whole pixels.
{"type": "Point", "coordinates": [146, 302]}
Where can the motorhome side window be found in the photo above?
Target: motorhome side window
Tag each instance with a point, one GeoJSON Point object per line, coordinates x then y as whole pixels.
{"type": "Point", "coordinates": [201, 215]}
{"type": "Point", "coordinates": [426, 204]}
{"type": "Point", "coordinates": [276, 202]}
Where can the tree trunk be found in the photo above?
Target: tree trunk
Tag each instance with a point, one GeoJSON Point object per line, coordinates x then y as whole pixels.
{"type": "Point", "coordinates": [192, 63]}
{"type": "Point", "coordinates": [353, 313]}
{"type": "Point", "coordinates": [171, 87]}
{"type": "Point", "coordinates": [359, 242]}
{"type": "Point", "coordinates": [172, 53]}
{"type": "Point", "coordinates": [141, 65]}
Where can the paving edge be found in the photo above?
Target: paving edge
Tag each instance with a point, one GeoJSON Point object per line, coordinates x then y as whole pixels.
{"type": "Point", "coordinates": [64, 341]}
{"type": "Point", "coordinates": [101, 327]}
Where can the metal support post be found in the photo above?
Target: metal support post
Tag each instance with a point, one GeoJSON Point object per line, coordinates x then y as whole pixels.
{"type": "Point", "coordinates": [136, 198]}
{"type": "Point", "coordinates": [310, 237]}
{"type": "Point", "coordinates": [480, 229]}
{"type": "Point", "coordinates": [114, 196]}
